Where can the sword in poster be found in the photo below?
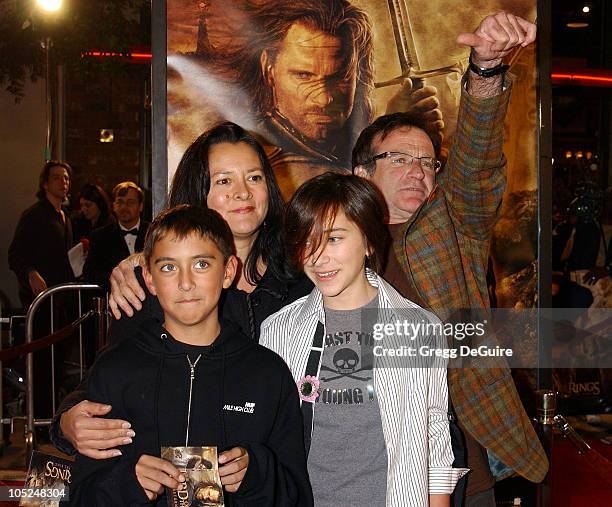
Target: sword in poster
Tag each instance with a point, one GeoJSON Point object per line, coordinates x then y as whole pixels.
{"type": "Point", "coordinates": [406, 50]}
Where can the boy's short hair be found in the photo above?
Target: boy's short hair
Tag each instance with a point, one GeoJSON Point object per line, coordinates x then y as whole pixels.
{"type": "Point", "coordinates": [121, 189]}
{"type": "Point", "coordinates": [184, 220]}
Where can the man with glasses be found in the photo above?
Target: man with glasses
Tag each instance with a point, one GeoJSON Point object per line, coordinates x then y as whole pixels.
{"type": "Point", "coordinates": [441, 224]}
{"type": "Point", "coordinates": [116, 241]}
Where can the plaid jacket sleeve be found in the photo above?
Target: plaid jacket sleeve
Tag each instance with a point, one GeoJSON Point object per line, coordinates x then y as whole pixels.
{"type": "Point", "coordinates": [475, 176]}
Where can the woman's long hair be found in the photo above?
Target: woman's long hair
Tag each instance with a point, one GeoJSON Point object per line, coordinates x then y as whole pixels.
{"type": "Point", "coordinates": [191, 185]}
{"type": "Point", "coordinates": [96, 194]}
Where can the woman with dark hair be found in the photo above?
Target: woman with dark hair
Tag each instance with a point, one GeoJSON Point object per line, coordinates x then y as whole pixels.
{"type": "Point", "coordinates": [226, 170]}
{"type": "Point", "coordinates": [204, 176]}
{"type": "Point", "coordinates": [94, 211]}
{"type": "Point", "coordinates": [376, 423]}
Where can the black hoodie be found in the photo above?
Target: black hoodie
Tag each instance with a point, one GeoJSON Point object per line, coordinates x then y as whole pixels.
{"type": "Point", "coordinates": [146, 380]}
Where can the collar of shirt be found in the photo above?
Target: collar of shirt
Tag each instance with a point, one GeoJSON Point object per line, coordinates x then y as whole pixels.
{"type": "Point", "coordinates": [137, 226]}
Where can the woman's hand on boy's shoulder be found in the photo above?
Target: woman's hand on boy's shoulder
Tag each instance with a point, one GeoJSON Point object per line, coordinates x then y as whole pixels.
{"type": "Point", "coordinates": [154, 474]}
{"type": "Point", "coordinates": [92, 435]}
{"type": "Point", "coordinates": [233, 467]}
{"type": "Point", "coordinates": [126, 292]}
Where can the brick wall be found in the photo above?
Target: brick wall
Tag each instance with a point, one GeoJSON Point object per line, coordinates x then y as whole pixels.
{"type": "Point", "coordinates": [105, 102]}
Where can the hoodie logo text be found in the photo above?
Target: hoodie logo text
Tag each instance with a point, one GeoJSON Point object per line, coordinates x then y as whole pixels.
{"type": "Point", "coordinates": [248, 408]}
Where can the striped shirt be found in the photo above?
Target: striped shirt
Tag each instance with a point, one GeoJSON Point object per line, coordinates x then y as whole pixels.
{"type": "Point", "coordinates": [413, 400]}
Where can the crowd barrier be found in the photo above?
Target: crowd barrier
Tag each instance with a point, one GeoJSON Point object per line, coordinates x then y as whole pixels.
{"type": "Point", "coordinates": [97, 313]}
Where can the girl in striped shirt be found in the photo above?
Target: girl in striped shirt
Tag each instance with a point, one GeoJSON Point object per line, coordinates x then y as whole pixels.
{"type": "Point", "coordinates": [376, 426]}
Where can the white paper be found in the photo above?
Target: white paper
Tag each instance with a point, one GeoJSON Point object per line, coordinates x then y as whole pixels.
{"type": "Point", "coordinates": [76, 256]}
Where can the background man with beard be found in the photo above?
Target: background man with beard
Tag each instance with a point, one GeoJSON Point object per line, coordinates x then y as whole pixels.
{"type": "Point", "coordinates": [441, 227]}
{"type": "Point", "coordinates": [116, 241]}
{"type": "Point", "coordinates": [308, 65]}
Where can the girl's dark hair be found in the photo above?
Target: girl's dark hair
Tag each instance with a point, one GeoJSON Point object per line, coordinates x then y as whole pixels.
{"type": "Point", "coordinates": [191, 185]}
{"type": "Point", "coordinates": [314, 207]}
{"type": "Point", "coordinates": [96, 194]}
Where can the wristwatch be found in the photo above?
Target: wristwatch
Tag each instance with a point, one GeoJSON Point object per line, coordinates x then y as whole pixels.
{"type": "Point", "coordinates": [493, 71]}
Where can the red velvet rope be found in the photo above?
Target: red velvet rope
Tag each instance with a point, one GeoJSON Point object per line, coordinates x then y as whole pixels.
{"type": "Point", "coordinates": [46, 341]}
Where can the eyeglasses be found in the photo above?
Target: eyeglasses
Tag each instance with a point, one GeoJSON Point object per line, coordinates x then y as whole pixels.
{"type": "Point", "coordinates": [399, 159]}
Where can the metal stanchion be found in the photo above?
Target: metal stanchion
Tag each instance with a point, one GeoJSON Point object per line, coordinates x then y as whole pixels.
{"type": "Point", "coordinates": [52, 354]}
{"type": "Point", "coordinates": [100, 309]}
{"type": "Point", "coordinates": [80, 304]}
{"type": "Point", "coordinates": [29, 426]}
{"type": "Point", "coordinates": [598, 463]}
{"type": "Point", "coordinates": [546, 406]}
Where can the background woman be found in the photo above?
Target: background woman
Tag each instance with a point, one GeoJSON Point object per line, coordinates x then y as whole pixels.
{"type": "Point", "coordinates": [94, 211]}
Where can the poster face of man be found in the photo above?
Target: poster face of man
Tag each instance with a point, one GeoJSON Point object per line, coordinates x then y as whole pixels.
{"type": "Point", "coordinates": [308, 75]}
{"type": "Point", "coordinates": [298, 73]}
{"type": "Point", "coordinates": [312, 88]}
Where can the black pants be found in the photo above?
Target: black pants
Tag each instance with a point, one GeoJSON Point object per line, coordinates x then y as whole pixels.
{"type": "Point", "coordinates": [458, 445]}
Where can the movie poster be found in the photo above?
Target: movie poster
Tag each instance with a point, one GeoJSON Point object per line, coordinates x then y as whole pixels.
{"type": "Point", "coordinates": [253, 62]}
{"type": "Point", "coordinates": [48, 481]}
{"type": "Point", "coordinates": [200, 466]}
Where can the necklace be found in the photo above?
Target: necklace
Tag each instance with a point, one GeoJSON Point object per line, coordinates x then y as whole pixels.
{"type": "Point", "coordinates": [192, 367]}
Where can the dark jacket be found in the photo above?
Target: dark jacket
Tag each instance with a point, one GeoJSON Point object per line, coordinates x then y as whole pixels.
{"type": "Point", "coordinates": [107, 248]}
{"type": "Point", "coordinates": [146, 380]}
{"type": "Point", "coordinates": [82, 228]}
{"type": "Point", "coordinates": [249, 310]}
{"type": "Point", "coordinates": [41, 242]}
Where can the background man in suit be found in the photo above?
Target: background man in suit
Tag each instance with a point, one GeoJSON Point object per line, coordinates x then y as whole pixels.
{"type": "Point", "coordinates": [114, 242]}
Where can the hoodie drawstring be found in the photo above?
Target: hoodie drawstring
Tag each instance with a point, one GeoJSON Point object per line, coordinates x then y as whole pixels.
{"type": "Point", "coordinates": [192, 367]}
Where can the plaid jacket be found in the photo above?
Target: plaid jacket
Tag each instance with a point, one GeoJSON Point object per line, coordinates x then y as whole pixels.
{"type": "Point", "coordinates": [444, 252]}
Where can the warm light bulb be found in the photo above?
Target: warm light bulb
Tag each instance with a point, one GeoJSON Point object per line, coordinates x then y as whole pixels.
{"type": "Point", "coordinates": [50, 5]}
{"type": "Point", "coordinates": [586, 9]}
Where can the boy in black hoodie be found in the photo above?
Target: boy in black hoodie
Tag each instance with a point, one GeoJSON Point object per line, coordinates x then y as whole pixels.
{"type": "Point", "coordinates": [192, 381]}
